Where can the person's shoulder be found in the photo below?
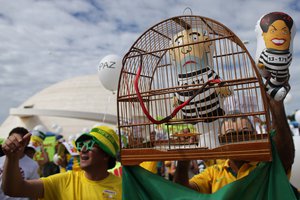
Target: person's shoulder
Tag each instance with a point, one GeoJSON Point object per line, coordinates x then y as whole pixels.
{"type": "Point", "coordinates": [219, 166]}
{"type": "Point", "coordinates": [60, 176]}
{"type": "Point", "coordinates": [25, 160]}
{"type": "Point", "coordinates": [75, 173]}
{"type": "Point", "coordinates": [2, 159]}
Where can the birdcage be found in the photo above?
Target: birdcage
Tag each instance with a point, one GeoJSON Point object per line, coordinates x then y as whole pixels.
{"type": "Point", "coordinates": [189, 89]}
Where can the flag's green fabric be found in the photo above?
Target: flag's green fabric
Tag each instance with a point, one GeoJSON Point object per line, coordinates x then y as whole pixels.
{"type": "Point", "coordinates": [267, 181]}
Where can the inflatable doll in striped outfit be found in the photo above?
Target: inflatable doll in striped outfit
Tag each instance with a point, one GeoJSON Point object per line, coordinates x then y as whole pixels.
{"type": "Point", "coordinates": [275, 32]}
{"type": "Point", "coordinates": [192, 63]}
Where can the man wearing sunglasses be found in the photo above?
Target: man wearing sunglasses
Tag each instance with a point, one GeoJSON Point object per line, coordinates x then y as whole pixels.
{"type": "Point", "coordinates": [98, 150]}
{"type": "Point", "coordinates": [217, 176]}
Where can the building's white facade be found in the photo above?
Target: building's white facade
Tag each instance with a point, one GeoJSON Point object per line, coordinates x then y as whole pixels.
{"type": "Point", "coordinates": [75, 104]}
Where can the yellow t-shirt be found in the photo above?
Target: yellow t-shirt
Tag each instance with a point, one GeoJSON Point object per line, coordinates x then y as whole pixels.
{"type": "Point", "coordinates": [74, 185]}
{"type": "Point", "coordinates": [215, 177]}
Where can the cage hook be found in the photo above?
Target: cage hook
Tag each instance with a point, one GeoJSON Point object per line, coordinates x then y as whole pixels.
{"type": "Point", "coordinates": [186, 9]}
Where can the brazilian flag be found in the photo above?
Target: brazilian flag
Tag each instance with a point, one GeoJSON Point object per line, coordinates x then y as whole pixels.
{"type": "Point", "coordinates": [267, 181]}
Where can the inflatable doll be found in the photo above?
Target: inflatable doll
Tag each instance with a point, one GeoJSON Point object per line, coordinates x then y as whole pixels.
{"type": "Point", "coordinates": [192, 62]}
{"type": "Point", "coordinates": [275, 33]}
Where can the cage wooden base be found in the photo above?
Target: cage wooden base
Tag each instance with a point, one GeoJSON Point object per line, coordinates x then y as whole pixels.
{"type": "Point", "coordinates": [258, 151]}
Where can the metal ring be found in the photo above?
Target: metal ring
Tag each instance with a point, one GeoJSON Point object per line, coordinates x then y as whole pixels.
{"type": "Point", "coordinates": [187, 8]}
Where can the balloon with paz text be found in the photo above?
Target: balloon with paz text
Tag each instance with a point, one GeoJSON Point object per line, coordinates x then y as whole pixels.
{"type": "Point", "coordinates": [109, 71]}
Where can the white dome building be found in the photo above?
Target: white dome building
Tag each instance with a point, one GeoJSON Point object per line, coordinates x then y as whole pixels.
{"type": "Point", "coordinates": [75, 105]}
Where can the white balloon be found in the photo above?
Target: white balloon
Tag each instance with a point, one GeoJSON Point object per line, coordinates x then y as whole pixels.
{"type": "Point", "coordinates": [297, 116]}
{"type": "Point", "coordinates": [109, 71]}
{"type": "Point", "coordinates": [85, 130]}
{"type": "Point", "coordinates": [54, 126]}
{"type": "Point", "coordinates": [57, 159]}
{"type": "Point", "coordinates": [288, 98]}
{"type": "Point", "coordinates": [71, 138]}
{"type": "Point", "coordinates": [40, 128]}
{"type": "Point", "coordinates": [58, 130]}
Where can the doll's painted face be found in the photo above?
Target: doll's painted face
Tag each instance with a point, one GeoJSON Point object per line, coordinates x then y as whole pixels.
{"type": "Point", "coordinates": [278, 36]}
{"type": "Point", "coordinates": [187, 37]}
{"type": "Point", "coordinates": [186, 53]}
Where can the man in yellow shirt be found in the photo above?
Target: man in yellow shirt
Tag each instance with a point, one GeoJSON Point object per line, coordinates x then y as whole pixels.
{"type": "Point", "coordinates": [98, 150]}
{"type": "Point", "coordinates": [219, 175]}
{"type": "Point", "coordinates": [215, 177]}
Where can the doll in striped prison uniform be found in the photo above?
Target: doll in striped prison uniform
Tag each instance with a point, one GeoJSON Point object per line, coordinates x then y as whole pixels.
{"type": "Point", "coordinates": [192, 62]}
{"type": "Point", "coordinates": [274, 61]}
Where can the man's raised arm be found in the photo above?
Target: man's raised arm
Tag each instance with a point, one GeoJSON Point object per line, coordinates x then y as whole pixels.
{"type": "Point", "coordinates": [12, 182]}
{"type": "Point", "coordinates": [283, 138]}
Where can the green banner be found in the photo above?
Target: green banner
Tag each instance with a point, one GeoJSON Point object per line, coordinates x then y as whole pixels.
{"type": "Point", "coordinates": [267, 181]}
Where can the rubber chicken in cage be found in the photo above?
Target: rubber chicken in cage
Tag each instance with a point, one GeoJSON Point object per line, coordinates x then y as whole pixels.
{"type": "Point", "coordinates": [274, 60]}
{"type": "Point", "coordinates": [191, 54]}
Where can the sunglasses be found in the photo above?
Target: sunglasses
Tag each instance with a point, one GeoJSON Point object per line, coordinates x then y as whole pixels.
{"type": "Point", "coordinates": [87, 144]}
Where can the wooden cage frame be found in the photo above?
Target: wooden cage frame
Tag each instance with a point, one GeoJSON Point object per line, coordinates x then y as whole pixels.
{"type": "Point", "coordinates": [151, 50]}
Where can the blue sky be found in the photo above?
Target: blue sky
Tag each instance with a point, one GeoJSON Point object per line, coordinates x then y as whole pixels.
{"type": "Point", "coordinates": [44, 42]}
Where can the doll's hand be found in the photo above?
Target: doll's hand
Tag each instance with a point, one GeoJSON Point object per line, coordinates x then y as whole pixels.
{"type": "Point", "coordinates": [224, 91]}
{"type": "Point", "coordinates": [260, 66]}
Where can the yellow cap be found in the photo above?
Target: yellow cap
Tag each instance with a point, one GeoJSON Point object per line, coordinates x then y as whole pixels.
{"type": "Point", "coordinates": [105, 137]}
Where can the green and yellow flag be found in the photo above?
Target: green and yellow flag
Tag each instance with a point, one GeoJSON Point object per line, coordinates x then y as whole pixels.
{"type": "Point", "coordinates": [267, 181]}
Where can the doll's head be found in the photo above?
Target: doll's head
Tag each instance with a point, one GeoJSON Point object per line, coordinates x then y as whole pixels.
{"type": "Point", "coordinates": [276, 30]}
